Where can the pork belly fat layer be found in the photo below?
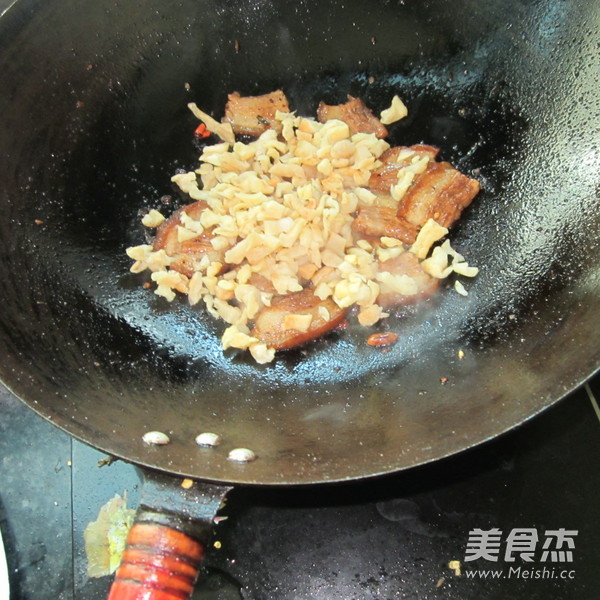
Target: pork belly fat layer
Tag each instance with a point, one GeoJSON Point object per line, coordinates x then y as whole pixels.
{"type": "Point", "coordinates": [355, 114]}
{"type": "Point", "coordinates": [269, 323]}
{"type": "Point", "coordinates": [251, 115]}
{"type": "Point", "coordinates": [379, 221]}
{"type": "Point", "coordinates": [441, 193]}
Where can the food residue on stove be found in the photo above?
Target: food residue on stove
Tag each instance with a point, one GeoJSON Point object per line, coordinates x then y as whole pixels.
{"type": "Point", "coordinates": [105, 537]}
{"type": "Point", "coordinates": [456, 566]}
{"type": "Point", "coordinates": [310, 221]}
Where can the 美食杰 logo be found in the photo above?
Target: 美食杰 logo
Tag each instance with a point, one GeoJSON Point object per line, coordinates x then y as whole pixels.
{"type": "Point", "coordinates": [523, 553]}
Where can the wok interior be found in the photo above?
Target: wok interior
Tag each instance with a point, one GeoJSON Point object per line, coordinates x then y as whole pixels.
{"type": "Point", "coordinates": [96, 123]}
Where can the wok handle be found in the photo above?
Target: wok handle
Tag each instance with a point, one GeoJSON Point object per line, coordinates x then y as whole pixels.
{"type": "Point", "coordinates": [167, 543]}
{"type": "Point", "coordinates": [159, 563]}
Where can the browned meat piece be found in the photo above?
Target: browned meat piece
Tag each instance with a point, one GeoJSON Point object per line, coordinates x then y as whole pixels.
{"type": "Point", "coordinates": [378, 221]}
{"type": "Point", "coordinates": [251, 115]}
{"type": "Point", "coordinates": [384, 177]}
{"type": "Point", "coordinates": [262, 283]}
{"type": "Point", "coordinates": [441, 193]}
{"type": "Point", "coordinates": [407, 263]}
{"type": "Point", "coordinates": [269, 323]}
{"type": "Point", "coordinates": [355, 114]}
{"type": "Point", "coordinates": [192, 250]}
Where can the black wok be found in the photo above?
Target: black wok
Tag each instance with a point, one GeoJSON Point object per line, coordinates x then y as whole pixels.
{"type": "Point", "coordinates": [94, 122]}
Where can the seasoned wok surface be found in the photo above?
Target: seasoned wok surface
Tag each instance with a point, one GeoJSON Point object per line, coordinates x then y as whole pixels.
{"type": "Point", "coordinates": [88, 348]}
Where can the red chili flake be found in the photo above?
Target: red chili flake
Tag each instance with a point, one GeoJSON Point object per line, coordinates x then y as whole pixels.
{"type": "Point", "coordinates": [147, 285]}
{"type": "Point", "coordinates": [443, 380]}
{"type": "Point", "coordinates": [386, 338]}
{"type": "Point", "coordinates": [79, 104]}
{"type": "Point", "coordinates": [201, 131]}
{"type": "Point", "coordinates": [38, 221]}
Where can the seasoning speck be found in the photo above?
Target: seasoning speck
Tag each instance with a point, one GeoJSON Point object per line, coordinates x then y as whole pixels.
{"type": "Point", "coordinates": [242, 455]}
{"type": "Point", "coordinates": [440, 582]}
{"type": "Point", "coordinates": [217, 544]}
{"type": "Point", "coordinates": [187, 86]}
{"type": "Point", "coordinates": [156, 438]}
{"type": "Point", "coordinates": [186, 484]}
{"type": "Point", "coordinates": [443, 380]}
{"type": "Point", "coordinates": [371, 79]}
{"type": "Point", "coordinates": [38, 222]}
{"type": "Point", "coordinates": [208, 439]}
{"type": "Point", "coordinates": [236, 46]}
{"type": "Point", "coordinates": [460, 354]}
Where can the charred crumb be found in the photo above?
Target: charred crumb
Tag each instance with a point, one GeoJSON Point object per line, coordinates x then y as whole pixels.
{"type": "Point", "coordinates": [383, 339]}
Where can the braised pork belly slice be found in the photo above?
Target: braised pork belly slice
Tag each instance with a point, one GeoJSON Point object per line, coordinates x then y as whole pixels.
{"type": "Point", "coordinates": [379, 221]}
{"type": "Point", "coordinates": [188, 252]}
{"type": "Point", "coordinates": [295, 319]}
{"type": "Point", "coordinates": [408, 264]}
{"type": "Point", "coordinates": [441, 193]}
{"type": "Point", "coordinates": [355, 114]}
{"type": "Point", "coordinates": [251, 115]}
{"type": "Point", "coordinates": [394, 159]}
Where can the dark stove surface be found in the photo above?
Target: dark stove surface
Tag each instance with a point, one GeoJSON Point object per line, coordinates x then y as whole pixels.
{"type": "Point", "coordinates": [387, 538]}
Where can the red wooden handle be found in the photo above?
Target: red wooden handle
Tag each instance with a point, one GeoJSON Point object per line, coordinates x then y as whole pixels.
{"type": "Point", "coordinates": [159, 563]}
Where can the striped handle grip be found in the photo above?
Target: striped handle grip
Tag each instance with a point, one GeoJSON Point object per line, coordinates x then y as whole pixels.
{"type": "Point", "coordinates": [159, 563]}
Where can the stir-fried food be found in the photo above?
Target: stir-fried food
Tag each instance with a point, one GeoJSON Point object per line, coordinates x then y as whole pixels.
{"type": "Point", "coordinates": [355, 114]}
{"type": "Point", "coordinates": [306, 224]}
{"type": "Point", "coordinates": [251, 115]}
